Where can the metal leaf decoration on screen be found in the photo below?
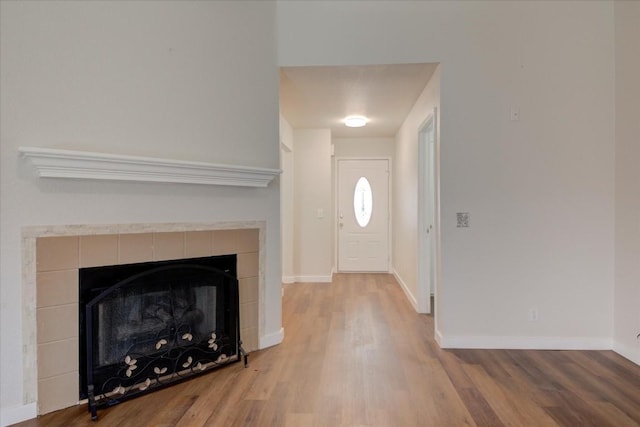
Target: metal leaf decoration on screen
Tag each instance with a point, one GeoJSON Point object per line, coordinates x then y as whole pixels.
{"type": "Point", "coordinates": [178, 355]}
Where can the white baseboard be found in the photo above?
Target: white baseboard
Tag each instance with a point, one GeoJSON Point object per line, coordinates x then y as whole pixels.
{"type": "Point", "coordinates": [524, 343]}
{"type": "Point", "coordinates": [407, 292]}
{"type": "Point", "coordinates": [270, 340]}
{"type": "Point", "coordinates": [288, 279]}
{"type": "Point", "coordinates": [18, 414]}
{"type": "Point", "coordinates": [313, 279]}
{"type": "Point", "coordinates": [627, 352]}
{"type": "Point", "coordinates": [438, 337]}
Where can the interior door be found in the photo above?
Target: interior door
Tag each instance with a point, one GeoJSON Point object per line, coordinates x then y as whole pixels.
{"type": "Point", "coordinates": [363, 215]}
{"type": "Point", "coordinates": [427, 212]}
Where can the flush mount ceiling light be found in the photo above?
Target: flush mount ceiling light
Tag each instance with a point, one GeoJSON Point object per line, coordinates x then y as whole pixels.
{"type": "Point", "coordinates": [355, 121]}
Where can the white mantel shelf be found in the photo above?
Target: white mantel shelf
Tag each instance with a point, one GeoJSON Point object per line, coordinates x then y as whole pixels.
{"type": "Point", "coordinates": [57, 163]}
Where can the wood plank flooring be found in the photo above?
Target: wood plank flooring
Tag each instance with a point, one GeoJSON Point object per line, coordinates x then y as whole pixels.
{"type": "Point", "coordinates": [356, 354]}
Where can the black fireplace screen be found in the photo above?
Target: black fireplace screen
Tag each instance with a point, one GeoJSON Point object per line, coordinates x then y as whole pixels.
{"type": "Point", "coordinates": [147, 325]}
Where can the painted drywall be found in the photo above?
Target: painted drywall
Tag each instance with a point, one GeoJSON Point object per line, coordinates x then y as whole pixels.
{"type": "Point", "coordinates": [178, 80]}
{"type": "Point", "coordinates": [539, 190]}
{"type": "Point", "coordinates": [405, 188]}
{"type": "Point", "coordinates": [313, 238]}
{"type": "Point", "coordinates": [364, 147]}
{"type": "Point", "coordinates": [627, 289]}
{"type": "Point", "coordinates": [286, 200]}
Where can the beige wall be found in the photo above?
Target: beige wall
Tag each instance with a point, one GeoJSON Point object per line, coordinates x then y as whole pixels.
{"type": "Point", "coordinates": [627, 289]}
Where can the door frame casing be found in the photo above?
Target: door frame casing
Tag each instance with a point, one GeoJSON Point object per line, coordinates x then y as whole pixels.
{"type": "Point", "coordinates": [336, 183]}
{"type": "Point", "coordinates": [423, 298]}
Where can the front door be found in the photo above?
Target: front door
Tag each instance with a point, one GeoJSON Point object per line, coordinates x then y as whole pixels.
{"type": "Point", "coordinates": [363, 215]}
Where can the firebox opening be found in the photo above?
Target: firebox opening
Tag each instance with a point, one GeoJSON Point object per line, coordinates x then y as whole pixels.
{"type": "Point", "coordinates": [150, 324]}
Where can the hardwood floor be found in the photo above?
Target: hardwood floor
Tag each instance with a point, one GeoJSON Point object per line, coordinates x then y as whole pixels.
{"type": "Point", "coordinates": [356, 354]}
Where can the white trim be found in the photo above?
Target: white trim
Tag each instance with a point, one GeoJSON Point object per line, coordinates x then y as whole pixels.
{"type": "Point", "coordinates": [288, 279]}
{"type": "Point", "coordinates": [285, 147]}
{"type": "Point", "coordinates": [630, 353]}
{"type": "Point", "coordinates": [424, 290]}
{"type": "Point", "coordinates": [56, 163]}
{"type": "Point", "coordinates": [313, 279]}
{"type": "Point", "coordinates": [525, 343]}
{"type": "Point", "coordinates": [438, 337]}
{"type": "Point", "coordinates": [407, 292]}
{"type": "Point", "coordinates": [269, 340]}
{"type": "Point", "coordinates": [18, 414]}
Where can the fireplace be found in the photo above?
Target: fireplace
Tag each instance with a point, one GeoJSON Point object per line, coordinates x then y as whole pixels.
{"type": "Point", "coordinates": [148, 325]}
{"type": "Point", "coordinates": [54, 255]}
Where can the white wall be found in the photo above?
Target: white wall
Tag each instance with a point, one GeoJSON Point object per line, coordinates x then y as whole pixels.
{"type": "Point", "coordinates": [364, 147]}
{"type": "Point", "coordinates": [286, 199]}
{"type": "Point", "coordinates": [540, 190]}
{"type": "Point", "coordinates": [405, 189]}
{"type": "Point", "coordinates": [627, 290]}
{"type": "Point", "coordinates": [313, 236]}
{"type": "Point", "coordinates": [164, 79]}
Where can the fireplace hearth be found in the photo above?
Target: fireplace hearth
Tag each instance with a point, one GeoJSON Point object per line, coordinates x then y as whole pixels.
{"type": "Point", "coordinates": [148, 325]}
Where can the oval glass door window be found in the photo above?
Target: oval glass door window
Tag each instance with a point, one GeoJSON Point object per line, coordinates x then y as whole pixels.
{"type": "Point", "coordinates": [362, 202]}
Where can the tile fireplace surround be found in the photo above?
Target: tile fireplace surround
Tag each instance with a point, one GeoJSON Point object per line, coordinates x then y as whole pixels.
{"type": "Point", "coordinates": [52, 256]}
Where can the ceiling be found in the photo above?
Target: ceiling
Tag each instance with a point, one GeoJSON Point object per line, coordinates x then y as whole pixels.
{"type": "Point", "coordinates": [321, 97]}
